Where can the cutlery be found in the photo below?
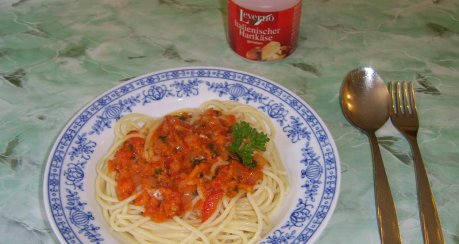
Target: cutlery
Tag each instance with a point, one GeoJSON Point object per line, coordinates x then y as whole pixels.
{"type": "Point", "coordinates": [405, 119]}
{"type": "Point", "coordinates": [366, 103]}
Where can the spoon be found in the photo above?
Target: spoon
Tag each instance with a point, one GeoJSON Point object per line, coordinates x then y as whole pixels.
{"type": "Point", "coordinates": [366, 103]}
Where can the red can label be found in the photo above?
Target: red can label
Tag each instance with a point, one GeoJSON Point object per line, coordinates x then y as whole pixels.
{"type": "Point", "coordinates": [263, 36]}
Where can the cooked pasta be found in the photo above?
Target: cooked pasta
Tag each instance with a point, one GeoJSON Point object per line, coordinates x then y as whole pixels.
{"type": "Point", "coordinates": [173, 179]}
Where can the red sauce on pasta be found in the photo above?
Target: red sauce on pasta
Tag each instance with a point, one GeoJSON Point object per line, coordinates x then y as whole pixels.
{"type": "Point", "coordinates": [189, 155]}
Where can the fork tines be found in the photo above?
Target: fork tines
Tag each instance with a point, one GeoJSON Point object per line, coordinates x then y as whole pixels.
{"type": "Point", "coordinates": [403, 97]}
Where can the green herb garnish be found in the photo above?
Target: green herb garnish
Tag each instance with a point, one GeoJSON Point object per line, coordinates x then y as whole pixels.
{"type": "Point", "coordinates": [246, 141]}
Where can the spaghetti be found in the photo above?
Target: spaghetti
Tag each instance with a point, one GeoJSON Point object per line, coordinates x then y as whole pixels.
{"type": "Point", "coordinates": [173, 180]}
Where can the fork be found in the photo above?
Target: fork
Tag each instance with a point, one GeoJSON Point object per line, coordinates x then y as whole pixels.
{"type": "Point", "coordinates": [405, 118]}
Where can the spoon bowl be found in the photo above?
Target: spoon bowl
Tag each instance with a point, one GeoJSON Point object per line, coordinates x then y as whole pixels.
{"type": "Point", "coordinates": [365, 99]}
{"type": "Point", "coordinates": [366, 104]}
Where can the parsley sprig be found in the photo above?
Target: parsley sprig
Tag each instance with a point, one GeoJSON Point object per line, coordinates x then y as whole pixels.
{"type": "Point", "coordinates": [246, 141]}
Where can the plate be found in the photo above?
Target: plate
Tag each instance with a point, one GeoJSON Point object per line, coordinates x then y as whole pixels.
{"type": "Point", "coordinates": [306, 148]}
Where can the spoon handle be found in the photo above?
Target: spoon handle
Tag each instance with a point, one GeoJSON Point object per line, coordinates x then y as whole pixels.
{"type": "Point", "coordinates": [385, 209]}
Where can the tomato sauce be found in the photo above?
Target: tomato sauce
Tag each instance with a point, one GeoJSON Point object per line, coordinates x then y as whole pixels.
{"type": "Point", "coordinates": [184, 150]}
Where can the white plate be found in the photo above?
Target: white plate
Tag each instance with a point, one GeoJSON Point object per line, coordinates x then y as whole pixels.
{"type": "Point", "coordinates": [306, 147]}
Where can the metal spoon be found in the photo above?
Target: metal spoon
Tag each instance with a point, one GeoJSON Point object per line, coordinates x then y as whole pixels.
{"type": "Point", "coordinates": [365, 102]}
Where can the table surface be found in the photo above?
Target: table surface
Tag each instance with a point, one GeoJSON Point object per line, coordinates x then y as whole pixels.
{"type": "Point", "coordinates": [56, 56]}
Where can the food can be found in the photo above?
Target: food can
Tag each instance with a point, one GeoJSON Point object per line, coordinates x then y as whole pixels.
{"type": "Point", "coordinates": [263, 30]}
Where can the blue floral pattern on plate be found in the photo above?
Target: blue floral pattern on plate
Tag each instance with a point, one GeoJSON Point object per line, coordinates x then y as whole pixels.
{"type": "Point", "coordinates": [70, 173]}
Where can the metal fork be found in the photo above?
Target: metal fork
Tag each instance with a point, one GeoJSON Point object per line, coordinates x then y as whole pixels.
{"type": "Point", "coordinates": [405, 119]}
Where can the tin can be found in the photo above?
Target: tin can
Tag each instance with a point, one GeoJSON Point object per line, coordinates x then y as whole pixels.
{"type": "Point", "coordinates": [263, 30]}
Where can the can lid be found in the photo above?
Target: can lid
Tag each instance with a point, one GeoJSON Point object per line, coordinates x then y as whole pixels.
{"type": "Point", "coordinates": [266, 5]}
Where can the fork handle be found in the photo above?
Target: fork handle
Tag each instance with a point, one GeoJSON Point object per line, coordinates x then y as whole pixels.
{"type": "Point", "coordinates": [385, 209]}
{"type": "Point", "coordinates": [428, 214]}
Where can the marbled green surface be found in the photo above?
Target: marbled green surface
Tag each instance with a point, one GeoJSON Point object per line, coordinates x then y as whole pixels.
{"type": "Point", "coordinates": [55, 56]}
